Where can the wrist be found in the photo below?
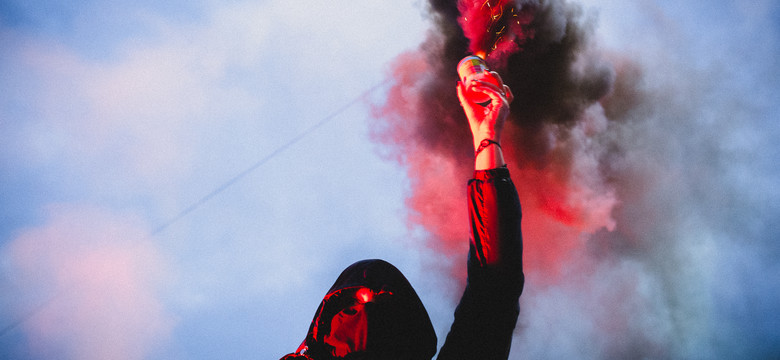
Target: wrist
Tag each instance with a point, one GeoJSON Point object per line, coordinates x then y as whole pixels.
{"type": "Point", "coordinates": [479, 137]}
{"type": "Point", "coordinates": [484, 144]}
{"type": "Point", "coordinates": [489, 157]}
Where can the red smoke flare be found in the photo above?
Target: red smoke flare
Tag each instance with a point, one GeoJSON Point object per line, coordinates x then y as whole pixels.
{"type": "Point", "coordinates": [495, 28]}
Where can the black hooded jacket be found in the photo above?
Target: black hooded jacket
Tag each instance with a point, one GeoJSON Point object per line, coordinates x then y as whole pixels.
{"type": "Point", "coordinates": [372, 312]}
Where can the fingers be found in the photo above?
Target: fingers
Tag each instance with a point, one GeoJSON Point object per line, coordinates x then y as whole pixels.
{"type": "Point", "coordinates": [508, 94]}
{"type": "Point", "coordinates": [496, 76]}
{"type": "Point", "coordinates": [485, 86]}
{"type": "Point", "coordinates": [492, 86]}
{"type": "Point", "coordinates": [500, 94]}
{"type": "Point", "coordinates": [505, 90]}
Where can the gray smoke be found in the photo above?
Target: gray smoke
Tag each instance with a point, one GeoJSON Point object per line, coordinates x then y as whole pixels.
{"type": "Point", "coordinates": [646, 174]}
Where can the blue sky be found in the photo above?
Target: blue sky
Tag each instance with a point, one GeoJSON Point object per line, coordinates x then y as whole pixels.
{"type": "Point", "coordinates": [117, 116]}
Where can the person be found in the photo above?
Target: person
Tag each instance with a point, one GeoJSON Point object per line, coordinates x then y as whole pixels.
{"type": "Point", "coordinates": [372, 311]}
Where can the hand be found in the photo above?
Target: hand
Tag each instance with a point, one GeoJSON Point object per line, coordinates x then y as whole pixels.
{"type": "Point", "coordinates": [487, 120]}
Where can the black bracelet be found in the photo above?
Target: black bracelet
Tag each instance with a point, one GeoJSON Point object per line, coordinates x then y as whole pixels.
{"type": "Point", "coordinates": [485, 143]}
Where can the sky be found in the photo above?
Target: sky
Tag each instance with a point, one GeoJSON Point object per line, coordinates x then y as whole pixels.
{"type": "Point", "coordinates": [186, 179]}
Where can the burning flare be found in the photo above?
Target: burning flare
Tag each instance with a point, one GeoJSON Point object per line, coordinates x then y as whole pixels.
{"type": "Point", "coordinates": [495, 28]}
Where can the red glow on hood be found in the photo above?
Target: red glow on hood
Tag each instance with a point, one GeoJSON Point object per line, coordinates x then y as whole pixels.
{"type": "Point", "coordinates": [364, 295]}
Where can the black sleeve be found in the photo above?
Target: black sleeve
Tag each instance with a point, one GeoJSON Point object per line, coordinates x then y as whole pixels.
{"type": "Point", "coordinates": [487, 313]}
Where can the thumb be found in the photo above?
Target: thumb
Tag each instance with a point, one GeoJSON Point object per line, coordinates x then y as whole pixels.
{"type": "Point", "coordinates": [462, 95]}
{"type": "Point", "coordinates": [465, 103]}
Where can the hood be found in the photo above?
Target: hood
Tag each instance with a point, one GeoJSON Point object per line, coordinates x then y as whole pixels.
{"type": "Point", "coordinates": [370, 312]}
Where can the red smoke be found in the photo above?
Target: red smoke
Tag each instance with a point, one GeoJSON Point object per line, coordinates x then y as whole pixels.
{"type": "Point", "coordinates": [635, 204]}
{"type": "Point", "coordinates": [556, 114]}
{"type": "Point", "coordinates": [432, 200]}
{"type": "Point", "coordinates": [495, 28]}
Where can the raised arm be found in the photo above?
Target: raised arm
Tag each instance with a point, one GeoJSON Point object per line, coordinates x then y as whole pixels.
{"type": "Point", "coordinates": [487, 313]}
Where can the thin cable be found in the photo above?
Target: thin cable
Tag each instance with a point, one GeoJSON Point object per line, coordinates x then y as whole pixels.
{"type": "Point", "coordinates": [22, 319]}
{"type": "Point", "coordinates": [8, 328]}
{"type": "Point", "coordinates": [262, 161]}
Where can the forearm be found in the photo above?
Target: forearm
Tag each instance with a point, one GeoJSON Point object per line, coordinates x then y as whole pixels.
{"type": "Point", "coordinates": [495, 215]}
{"type": "Point", "coordinates": [488, 310]}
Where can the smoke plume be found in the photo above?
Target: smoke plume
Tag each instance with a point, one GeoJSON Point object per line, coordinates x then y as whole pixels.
{"type": "Point", "coordinates": [495, 28]}
{"type": "Point", "coordinates": [555, 116]}
{"type": "Point", "coordinates": [631, 209]}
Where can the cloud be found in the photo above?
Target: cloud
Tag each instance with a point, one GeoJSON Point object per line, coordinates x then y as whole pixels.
{"type": "Point", "coordinates": [152, 118]}
{"type": "Point", "coordinates": [142, 109]}
{"type": "Point", "coordinates": [96, 275]}
{"type": "Point", "coordinates": [649, 203]}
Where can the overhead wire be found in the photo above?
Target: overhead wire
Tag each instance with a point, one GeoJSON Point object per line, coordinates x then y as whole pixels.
{"type": "Point", "coordinates": [219, 189]}
{"type": "Point", "coordinates": [265, 159]}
